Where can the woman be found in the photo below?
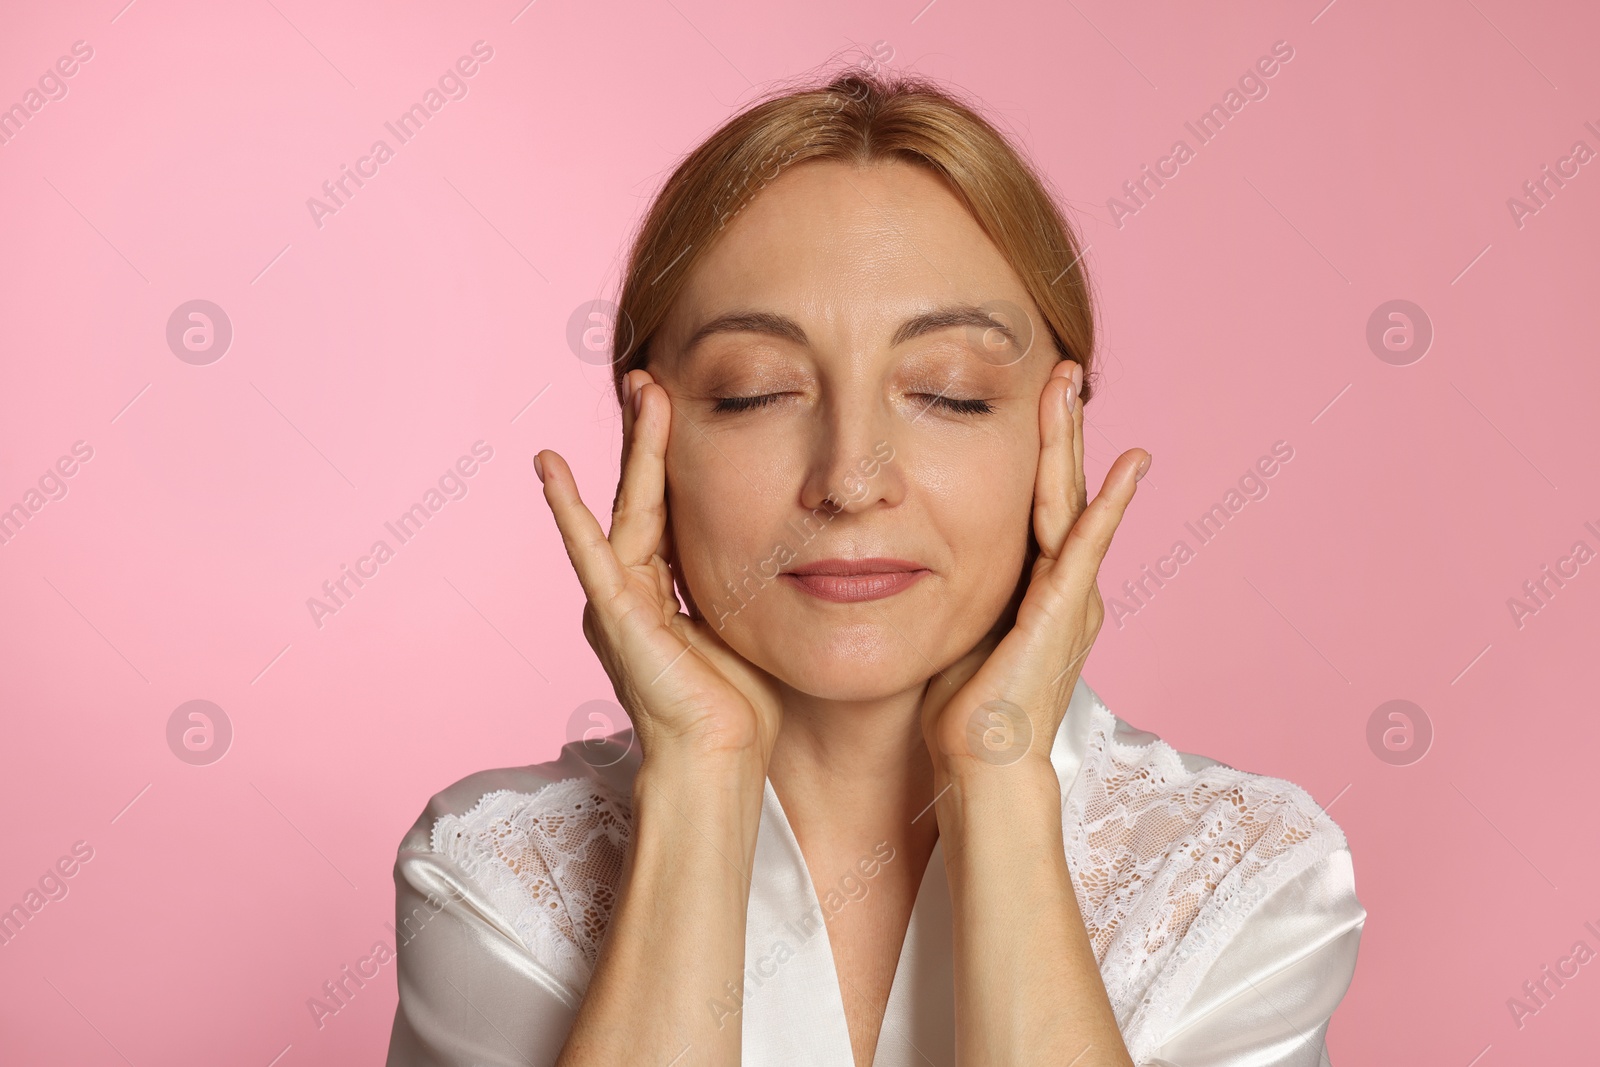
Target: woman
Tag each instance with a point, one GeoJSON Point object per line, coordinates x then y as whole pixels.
{"type": "Point", "coordinates": [868, 811]}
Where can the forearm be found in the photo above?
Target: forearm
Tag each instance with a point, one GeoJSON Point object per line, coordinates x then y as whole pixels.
{"type": "Point", "coordinates": [1028, 991]}
{"type": "Point", "coordinates": [677, 936]}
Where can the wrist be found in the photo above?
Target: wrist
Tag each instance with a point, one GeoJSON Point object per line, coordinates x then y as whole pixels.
{"type": "Point", "coordinates": [1001, 827]}
{"type": "Point", "coordinates": [707, 789]}
{"type": "Point", "coordinates": [973, 794]}
{"type": "Point", "coordinates": [687, 766]}
{"type": "Point", "coordinates": [688, 812]}
{"type": "Point", "coordinates": [1028, 769]}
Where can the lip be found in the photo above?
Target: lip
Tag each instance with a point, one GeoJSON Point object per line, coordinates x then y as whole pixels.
{"type": "Point", "coordinates": [854, 580]}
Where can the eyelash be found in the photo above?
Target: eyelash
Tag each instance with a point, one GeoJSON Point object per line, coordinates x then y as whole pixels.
{"type": "Point", "coordinates": [747, 403]}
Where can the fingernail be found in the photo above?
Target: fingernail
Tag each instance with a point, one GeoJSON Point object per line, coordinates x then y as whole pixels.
{"type": "Point", "coordinates": [1070, 394]}
{"type": "Point", "coordinates": [538, 467]}
{"type": "Point", "coordinates": [1077, 376]}
{"type": "Point", "coordinates": [627, 388]}
{"type": "Point", "coordinates": [1144, 465]}
{"type": "Point", "coordinates": [638, 401]}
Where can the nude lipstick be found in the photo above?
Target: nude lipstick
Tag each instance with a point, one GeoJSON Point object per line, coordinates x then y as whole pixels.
{"type": "Point", "coordinates": [851, 580]}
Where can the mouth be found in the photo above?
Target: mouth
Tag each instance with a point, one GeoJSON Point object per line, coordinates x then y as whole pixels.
{"type": "Point", "coordinates": [851, 580]}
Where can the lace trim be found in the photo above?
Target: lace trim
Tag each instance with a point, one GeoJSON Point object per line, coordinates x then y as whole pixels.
{"type": "Point", "coordinates": [550, 860]}
{"type": "Point", "coordinates": [1168, 863]}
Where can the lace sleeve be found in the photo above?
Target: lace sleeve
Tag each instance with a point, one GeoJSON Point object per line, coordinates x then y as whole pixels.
{"type": "Point", "coordinates": [499, 911]}
{"type": "Point", "coordinates": [1268, 999]}
{"type": "Point", "coordinates": [550, 861]}
{"type": "Point", "coordinates": [1168, 864]}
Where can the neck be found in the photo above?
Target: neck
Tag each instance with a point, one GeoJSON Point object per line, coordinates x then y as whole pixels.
{"type": "Point", "coordinates": [852, 773]}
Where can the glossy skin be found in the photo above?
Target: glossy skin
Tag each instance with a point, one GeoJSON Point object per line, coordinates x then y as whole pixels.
{"type": "Point", "coordinates": [945, 450]}
{"type": "Point", "coordinates": [849, 255]}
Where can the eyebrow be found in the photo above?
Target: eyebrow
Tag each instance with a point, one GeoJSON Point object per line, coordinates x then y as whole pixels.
{"type": "Point", "coordinates": [773, 324]}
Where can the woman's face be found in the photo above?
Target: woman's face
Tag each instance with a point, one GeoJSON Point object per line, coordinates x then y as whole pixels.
{"type": "Point", "coordinates": [882, 434]}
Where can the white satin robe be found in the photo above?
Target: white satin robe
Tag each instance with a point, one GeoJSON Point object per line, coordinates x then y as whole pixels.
{"type": "Point", "coordinates": [1249, 899]}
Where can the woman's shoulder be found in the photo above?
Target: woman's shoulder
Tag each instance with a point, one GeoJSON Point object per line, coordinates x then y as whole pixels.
{"type": "Point", "coordinates": [539, 847]}
{"type": "Point", "coordinates": [1127, 770]}
{"type": "Point", "coordinates": [1137, 801]}
{"type": "Point", "coordinates": [604, 767]}
{"type": "Point", "coordinates": [1177, 855]}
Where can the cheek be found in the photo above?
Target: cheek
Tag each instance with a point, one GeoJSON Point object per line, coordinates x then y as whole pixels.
{"type": "Point", "coordinates": [718, 521]}
{"type": "Point", "coordinates": [981, 500]}
{"type": "Point", "coordinates": [983, 487]}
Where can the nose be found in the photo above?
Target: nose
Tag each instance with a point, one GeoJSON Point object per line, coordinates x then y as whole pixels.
{"type": "Point", "coordinates": [853, 466]}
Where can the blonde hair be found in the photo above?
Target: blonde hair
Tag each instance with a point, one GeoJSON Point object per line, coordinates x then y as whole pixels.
{"type": "Point", "coordinates": [862, 116]}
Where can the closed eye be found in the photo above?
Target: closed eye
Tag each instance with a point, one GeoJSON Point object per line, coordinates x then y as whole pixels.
{"type": "Point", "coordinates": [949, 403]}
{"type": "Point", "coordinates": [745, 403]}
{"type": "Point", "coordinates": [964, 407]}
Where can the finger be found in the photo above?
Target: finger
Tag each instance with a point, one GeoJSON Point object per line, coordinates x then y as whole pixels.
{"type": "Point", "coordinates": [592, 558]}
{"type": "Point", "coordinates": [1080, 492]}
{"type": "Point", "coordinates": [1091, 535]}
{"type": "Point", "coordinates": [1052, 488]}
{"type": "Point", "coordinates": [636, 378]}
{"type": "Point", "coordinates": [629, 385]}
{"type": "Point", "coordinates": [640, 512]}
{"type": "Point", "coordinates": [664, 589]}
{"type": "Point", "coordinates": [667, 570]}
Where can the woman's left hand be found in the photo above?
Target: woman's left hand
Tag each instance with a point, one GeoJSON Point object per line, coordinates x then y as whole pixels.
{"type": "Point", "coordinates": [1006, 698]}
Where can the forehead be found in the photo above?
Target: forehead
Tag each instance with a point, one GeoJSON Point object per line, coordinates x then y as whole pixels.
{"type": "Point", "coordinates": [855, 247]}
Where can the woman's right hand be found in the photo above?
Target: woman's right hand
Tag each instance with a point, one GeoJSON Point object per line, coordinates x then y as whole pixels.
{"type": "Point", "coordinates": [680, 683]}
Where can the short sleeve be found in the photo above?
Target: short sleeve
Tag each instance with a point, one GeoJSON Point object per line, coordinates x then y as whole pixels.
{"type": "Point", "coordinates": [471, 993]}
{"type": "Point", "coordinates": [1268, 998]}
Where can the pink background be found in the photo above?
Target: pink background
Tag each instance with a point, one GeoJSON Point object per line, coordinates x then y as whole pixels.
{"type": "Point", "coordinates": [431, 311]}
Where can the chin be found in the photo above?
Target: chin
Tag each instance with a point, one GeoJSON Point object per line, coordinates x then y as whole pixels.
{"type": "Point", "coordinates": [865, 662]}
{"type": "Point", "coordinates": [849, 684]}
